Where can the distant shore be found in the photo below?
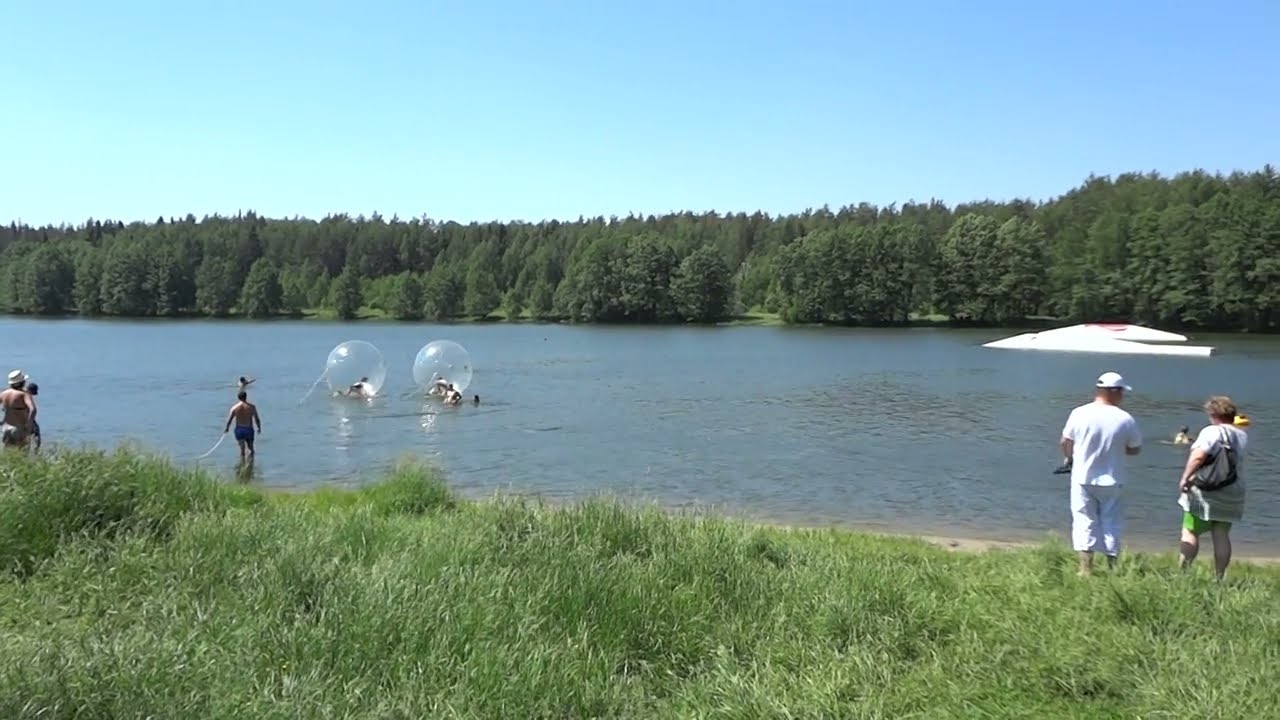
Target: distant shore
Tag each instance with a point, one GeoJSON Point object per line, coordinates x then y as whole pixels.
{"type": "Point", "coordinates": [373, 314]}
{"type": "Point", "coordinates": [745, 319]}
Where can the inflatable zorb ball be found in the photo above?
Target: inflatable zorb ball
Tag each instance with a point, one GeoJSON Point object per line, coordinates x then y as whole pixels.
{"type": "Point", "coordinates": [352, 361]}
{"type": "Point", "coordinates": [442, 359]}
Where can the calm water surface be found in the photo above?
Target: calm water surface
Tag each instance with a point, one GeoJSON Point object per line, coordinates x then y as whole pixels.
{"type": "Point", "coordinates": [913, 430]}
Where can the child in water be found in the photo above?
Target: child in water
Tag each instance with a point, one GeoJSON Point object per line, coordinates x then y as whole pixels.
{"type": "Point", "coordinates": [34, 389]}
{"type": "Point", "coordinates": [1182, 438]}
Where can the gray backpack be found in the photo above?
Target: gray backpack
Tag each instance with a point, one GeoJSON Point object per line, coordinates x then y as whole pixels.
{"type": "Point", "coordinates": [1218, 470]}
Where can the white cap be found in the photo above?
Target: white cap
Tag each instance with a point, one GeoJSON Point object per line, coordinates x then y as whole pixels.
{"type": "Point", "coordinates": [16, 377]}
{"type": "Point", "coordinates": [1112, 381]}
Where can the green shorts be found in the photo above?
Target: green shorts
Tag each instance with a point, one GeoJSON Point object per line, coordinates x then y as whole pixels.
{"type": "Point", "coordinates": [1197, 526]}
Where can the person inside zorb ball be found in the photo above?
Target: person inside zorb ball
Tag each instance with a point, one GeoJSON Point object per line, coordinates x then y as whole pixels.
{"type": "Point", "coordinates": [355, 369]}
{"type": "Point", "coordinates": [443, 367]}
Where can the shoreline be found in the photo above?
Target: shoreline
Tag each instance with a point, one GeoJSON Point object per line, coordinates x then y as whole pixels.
{"type": "Point", "coordinates": [744, 320]}
{"type": "Point", "coordinates": [950, 541]}
{"type": "Point", "coordinates": [968, 544]}
{"type": "Point", "coordinates": [131, 586]}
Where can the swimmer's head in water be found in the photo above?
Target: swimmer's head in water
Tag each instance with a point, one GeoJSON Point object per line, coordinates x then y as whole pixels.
{"type": "Point", "coordinates": [1184, 430]}
{"type": "Point", "coordinates": [476, 399]}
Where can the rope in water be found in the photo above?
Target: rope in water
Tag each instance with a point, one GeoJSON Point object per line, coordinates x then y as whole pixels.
{"type": "Point", "coordinates": [313, 386]}
{"type": "Point", "coordinates": [215, 447]}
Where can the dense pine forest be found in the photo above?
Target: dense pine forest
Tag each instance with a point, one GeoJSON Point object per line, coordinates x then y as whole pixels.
{"type": "Point", "coordinates": [1198, 250]}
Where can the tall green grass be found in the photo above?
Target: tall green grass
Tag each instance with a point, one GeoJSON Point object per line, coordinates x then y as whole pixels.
{"type": "Point", "coordinates": [133, 589]}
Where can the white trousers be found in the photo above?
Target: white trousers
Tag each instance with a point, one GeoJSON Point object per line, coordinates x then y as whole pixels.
{"type": "Point", "coordinates": [1096, 514]}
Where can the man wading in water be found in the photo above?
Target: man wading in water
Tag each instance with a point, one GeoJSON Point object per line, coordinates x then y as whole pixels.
{"type": "Point", "coordinates": [1095, 441]}
{"type": "Point", "coordinates": [19, 412]}
{"type": "Point", "coordinates": [245, 415]}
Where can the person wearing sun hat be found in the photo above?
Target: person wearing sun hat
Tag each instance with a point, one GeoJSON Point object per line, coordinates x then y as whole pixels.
{"type": "Point", "coordinates": [1095, 441]}
{"type": "Point", "coordinates": [19, 411]}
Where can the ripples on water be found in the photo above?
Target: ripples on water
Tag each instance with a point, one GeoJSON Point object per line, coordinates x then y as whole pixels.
{"type": "Point", "coordinates": [914, 430]}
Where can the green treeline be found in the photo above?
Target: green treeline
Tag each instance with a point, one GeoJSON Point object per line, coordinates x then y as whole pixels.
{"type": "Point", "coordinates": [1197, 250]}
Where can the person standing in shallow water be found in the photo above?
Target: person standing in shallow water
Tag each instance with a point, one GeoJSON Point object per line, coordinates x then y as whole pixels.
{"type": "Point", "coordinates": [1095, 440]}
{"type": "Point", "coordinates": [19, 410]}
{"type": "Point", "coordinates": [36, 441]}
{"type": "Point", "coordinates": [1212, 510]}
{"type": "Point", "coordinates": [245, 416]}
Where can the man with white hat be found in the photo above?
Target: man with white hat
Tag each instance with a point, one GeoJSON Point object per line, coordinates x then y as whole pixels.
{"type": "Point", "coordinates": [1095, 441]}
{"type": "Point", "coordinates": [19, 411]}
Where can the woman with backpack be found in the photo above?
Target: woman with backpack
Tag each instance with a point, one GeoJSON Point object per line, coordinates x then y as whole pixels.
{"type": "Point", "coordinates": [1212, 485]}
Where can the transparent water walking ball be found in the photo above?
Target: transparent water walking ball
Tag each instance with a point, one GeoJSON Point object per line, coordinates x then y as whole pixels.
{"type": "Point", "coordinates": [442, 359]}
{"type": "Point", "coordinates": [355, 361]}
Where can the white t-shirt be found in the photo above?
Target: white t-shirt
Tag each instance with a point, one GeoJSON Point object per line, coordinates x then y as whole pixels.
{"type": "Point", "coordinates": [1101, 433]}
{"type": "Point", "coordinates": [1210, 438]}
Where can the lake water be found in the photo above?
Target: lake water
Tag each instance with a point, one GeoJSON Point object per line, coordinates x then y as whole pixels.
{"type": "Point", "coordinates": [912, 430]}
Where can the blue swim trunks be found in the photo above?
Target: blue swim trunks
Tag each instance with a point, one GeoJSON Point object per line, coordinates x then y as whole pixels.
{"type": "Point", "coordinates": [244, 433]}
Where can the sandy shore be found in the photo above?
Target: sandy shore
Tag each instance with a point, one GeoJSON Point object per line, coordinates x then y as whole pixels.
{"type": "Point", "coordinates": [960, 544]}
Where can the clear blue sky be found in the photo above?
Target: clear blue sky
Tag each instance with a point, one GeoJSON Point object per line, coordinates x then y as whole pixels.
{"type": "Point", "coordinates": [477, 110]}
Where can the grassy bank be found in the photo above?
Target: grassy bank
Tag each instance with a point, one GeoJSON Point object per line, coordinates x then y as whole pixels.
{"type": "Point", "coordinates": [129, 588]}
